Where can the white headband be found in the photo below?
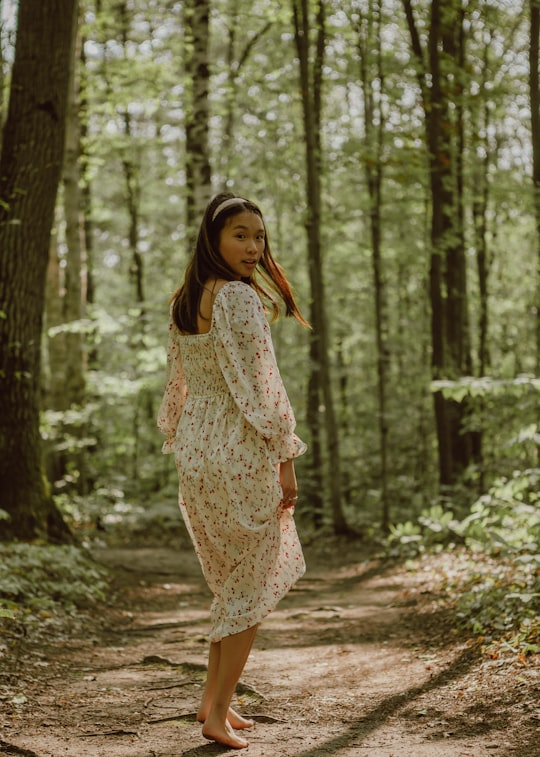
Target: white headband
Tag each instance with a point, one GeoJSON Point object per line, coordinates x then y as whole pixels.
{"type": "Point", "coordinates": [226, 204]}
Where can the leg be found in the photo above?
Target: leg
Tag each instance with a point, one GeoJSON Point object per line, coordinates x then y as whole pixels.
{"type": "Point", "coordinates": [233, 654]}
{"type": "Point", "coordinates": [211, 679]}
{"type": "Point", "coordinates": [236, 720]}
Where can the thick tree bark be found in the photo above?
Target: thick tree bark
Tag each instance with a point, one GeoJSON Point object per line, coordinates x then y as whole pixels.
{"type": "Point", "coordinates": [311, 89]}
{"type": "Point", "coordinates": [30, 168]}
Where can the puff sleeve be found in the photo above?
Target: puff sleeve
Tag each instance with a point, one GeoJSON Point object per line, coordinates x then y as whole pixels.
{"type": "Point", "coordinates": [175, 394]}
{"type": "Point", "coordinates": [245, 353]}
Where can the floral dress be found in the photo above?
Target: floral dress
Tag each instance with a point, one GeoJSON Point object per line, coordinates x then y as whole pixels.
{"type": "Point", "coordinates": [229, 422]}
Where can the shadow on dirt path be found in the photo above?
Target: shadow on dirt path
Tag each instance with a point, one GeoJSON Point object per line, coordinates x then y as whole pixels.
{"type": "Point", "coordinates": [357, 660]}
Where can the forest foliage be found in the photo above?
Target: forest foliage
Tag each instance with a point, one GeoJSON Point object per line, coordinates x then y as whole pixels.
{"type": "Point", "coordinates": [103, 360]}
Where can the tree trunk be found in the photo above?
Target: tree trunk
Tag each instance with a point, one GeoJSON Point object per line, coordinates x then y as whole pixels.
{"type": "Point", "coordinates": [534, 94]}
{"type": "Point", "coordinates": [448, 284]}
{"type": "Point", "coordinates": [311, 90]}
{"type": "Point", "coordinates": [315, 486]}
{"type": "Point", "coordinates": [132, 183]}
{"type": "Point", "coordinates": [55, 344]}
{"type": "Point", "coordinates": [481, 125]}
{"type": "Point", "coordinates": [86, 189]}
{"type": "Point", "coordinates": [198, 171]}
{"type": "Point", "coordinates": [73, 311]}
{"type": "Point", "coordinates": [372, 76]}
{"type": "Point", "coordinates": [234, 65]}
{"type": "Point", "coordinates": [2, 83]}
{"type": "Point", "coordinates": [30, 169]}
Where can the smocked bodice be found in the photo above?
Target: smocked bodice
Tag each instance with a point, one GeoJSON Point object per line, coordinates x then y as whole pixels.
{"type": "Point", "coordinates": [202, 372]}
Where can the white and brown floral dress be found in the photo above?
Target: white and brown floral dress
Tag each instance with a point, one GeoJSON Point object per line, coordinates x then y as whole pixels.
{"type": "Point", "coordinates": [229, 422]}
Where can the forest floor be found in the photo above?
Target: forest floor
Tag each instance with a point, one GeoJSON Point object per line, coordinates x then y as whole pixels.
{"type": "Point", "coordinates": [359, 659]}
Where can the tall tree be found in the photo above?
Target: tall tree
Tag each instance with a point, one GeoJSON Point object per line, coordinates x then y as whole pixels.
{"type": "Point", "coordinates": [481, 122]}
{"type": "Point", "coordinates": [369, 29]}
{"type": "Point", "coordinates": [1, 72]}
{"type": "Point", "coordinates": [30, 169]}
{"type": "Point", "coordinates": [534, 95]}
{"type": "Point", "coordinates": [197, 74]}
{"type": "Point", "coordinates": [132, 173]}
{"type": "Point", "coordinates": [439, 72]}
{"type": "Point", "coordinates": [237, 55]}
{"type": "Point", "coordinates": [74, 296]}
{"type": "Point", "coordinates": [65, 306]}
{"type": "Point", "coordinates": [320, 386]}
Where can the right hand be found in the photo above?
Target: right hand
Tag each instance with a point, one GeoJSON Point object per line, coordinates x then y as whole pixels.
{"type": "Point", "coordinates": [289, 487]}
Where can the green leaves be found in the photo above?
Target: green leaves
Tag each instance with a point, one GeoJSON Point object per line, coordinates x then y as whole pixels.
{"type": "Point", "coordinates": [494, 583]}
{"type": "Point", "coordinates": [36, 577]}
{"type": "Point", "coordinates": [435, 527]}
{"type": "Point", "coordinates": [469, 386]}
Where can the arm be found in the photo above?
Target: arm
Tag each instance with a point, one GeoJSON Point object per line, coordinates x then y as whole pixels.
{"type": "Point", "coordinates": [289, 487]}
{"type": "Point", "coordinates": [246, 357]}
{"type": "Point", "coordinates": [175, 394]}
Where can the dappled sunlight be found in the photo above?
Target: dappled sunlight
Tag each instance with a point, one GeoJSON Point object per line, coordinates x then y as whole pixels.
{"type": "Point", "coordinates": [356, 660]}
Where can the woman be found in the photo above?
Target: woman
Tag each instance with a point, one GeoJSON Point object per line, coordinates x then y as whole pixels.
{"type": "Point", "coordinates": [228, 421]}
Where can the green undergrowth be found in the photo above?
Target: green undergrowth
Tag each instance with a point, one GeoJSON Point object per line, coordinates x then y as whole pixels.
{"type": "Point", "coordinates": [488, 569]}
{"type": "Point", "coordinates": [36, 579]}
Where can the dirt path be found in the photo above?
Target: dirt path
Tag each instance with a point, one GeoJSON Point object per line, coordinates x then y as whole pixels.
{"type": "Point", "coordinates": [357, 660]}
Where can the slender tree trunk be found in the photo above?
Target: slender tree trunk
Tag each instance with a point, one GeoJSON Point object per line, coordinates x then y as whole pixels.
{"type": "Point", "coordinates": [369, 45]}
{"type": "Point", "coordinates": [66, 384]}
{"type": "Point", "coordinates": [55, 344]}
{"type": "Point", "coordinates": [448, 284]}
{"type": "Point", "coordinates": [54, 356]}
{"type": "Point", "coordinates": [86, 205]}
{"type": "Point", "coordinates": [2, 83]}
{"type": "Point", "coordinates": [534, 94]}
{"type": "Point", "coordinates": [75, 295]}
{"type": "Point", "coordinates": [235, 64]}
{"type": "Point", "coordinates": [75, 384]}
{"type": "Point", "coordinates": [481, 124]}
{"type": "Point", "coordinates": [132, 185]}
{"type": "Point", "coordinates": [30, 169]}
{"type": "Point", "coordinates": [315, 488]}
{"type": "Point", "coordinates": [198, 170]}
{"type": "Point", "coordinates": [467, 445]}
{"type": "Point", "coordinates": [311, 89]}
{"type": "Point", "coordinates": [132, 181]}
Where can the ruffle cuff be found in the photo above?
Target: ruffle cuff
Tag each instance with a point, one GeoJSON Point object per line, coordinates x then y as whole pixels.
{"type": "Point", "coordinates": [285, 449]}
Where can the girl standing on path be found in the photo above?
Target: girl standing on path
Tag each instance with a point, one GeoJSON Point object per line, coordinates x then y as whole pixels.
{"type": "Point", "coordinates": [228, 421]}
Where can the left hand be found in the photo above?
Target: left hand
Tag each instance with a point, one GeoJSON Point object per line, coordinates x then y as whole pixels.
{"type": "Point", "coordinates": [289, 487]}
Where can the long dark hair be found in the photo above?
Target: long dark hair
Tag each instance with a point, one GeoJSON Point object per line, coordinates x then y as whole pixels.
{"type": "Point", "coordinates": [206, 262]}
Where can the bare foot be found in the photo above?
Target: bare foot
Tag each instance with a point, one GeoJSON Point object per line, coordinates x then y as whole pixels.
{"type": "Point", "coordinates": [223, 735]}
{"type": "Point", "coordinates": [235, 719]}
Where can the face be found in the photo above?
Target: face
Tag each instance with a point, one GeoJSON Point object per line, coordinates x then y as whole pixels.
{"type": "Point", "coordinates": [242, 242]}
